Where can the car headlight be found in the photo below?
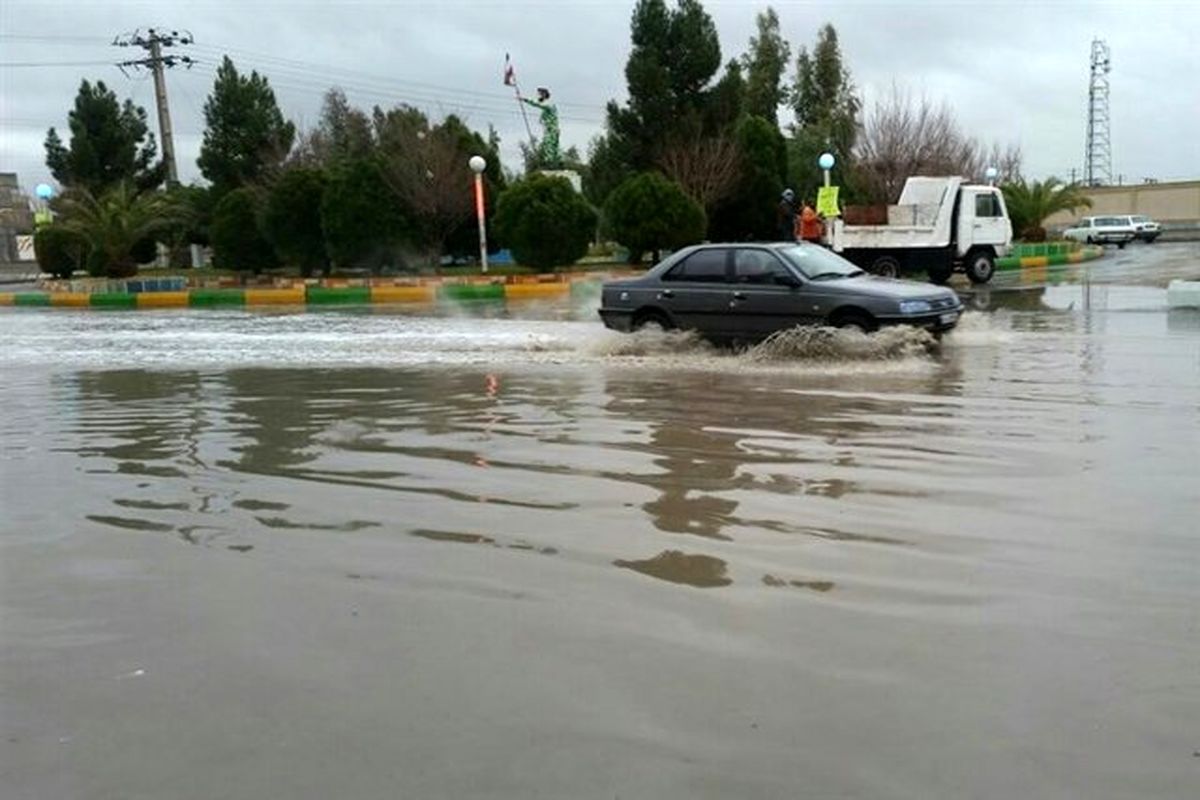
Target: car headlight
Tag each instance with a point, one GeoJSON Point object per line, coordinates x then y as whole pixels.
{"type": "Point", "coordinates": [915, 307]}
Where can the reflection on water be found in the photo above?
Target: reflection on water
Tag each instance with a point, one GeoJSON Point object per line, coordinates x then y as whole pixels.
{"type": "Point", "coordinates": [813, 573]}
{"type": "Point", "coordinates": [701, 571]}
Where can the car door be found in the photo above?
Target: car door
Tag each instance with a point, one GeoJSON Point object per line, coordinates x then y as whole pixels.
{"type": "Point", "coordinates": [764, 297]}
{"type": "Point", "coordinates": [696, 291]}
{"type": "Point", "coordinates": [989, 224]}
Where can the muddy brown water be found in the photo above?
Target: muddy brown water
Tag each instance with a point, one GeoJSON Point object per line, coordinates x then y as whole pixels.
{"type": "Point", "coordinates": [508, 554]}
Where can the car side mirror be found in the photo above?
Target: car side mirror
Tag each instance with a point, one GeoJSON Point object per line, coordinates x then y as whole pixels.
{"type": "Point", "coordinates": [788, 279]}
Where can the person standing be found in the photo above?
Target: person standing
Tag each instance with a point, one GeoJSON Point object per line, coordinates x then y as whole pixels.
{"type": "Point", "coordinates": [785, 216]}
{"type": "Point", "coordinates": [811, 227]}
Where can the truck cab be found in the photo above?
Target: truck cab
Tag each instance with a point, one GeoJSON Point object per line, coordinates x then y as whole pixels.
{"type": "Point", "coordinates": [940, 225]}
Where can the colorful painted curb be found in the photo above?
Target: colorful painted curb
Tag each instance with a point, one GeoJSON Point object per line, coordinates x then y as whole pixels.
{"type": "Point", "coordinates": [1051, 258]}
{"type": "Point", "coordinates": [310, 296]}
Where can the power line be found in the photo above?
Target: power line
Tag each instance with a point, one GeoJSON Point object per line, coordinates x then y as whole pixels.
{"type": "Point", "coordinates": [18, 64]}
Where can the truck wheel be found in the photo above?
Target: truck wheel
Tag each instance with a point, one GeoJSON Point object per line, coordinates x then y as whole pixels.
{"type": "Point", "coordinates": [885, 267]}
{"type": "Point", "coordinates": [979, 266]}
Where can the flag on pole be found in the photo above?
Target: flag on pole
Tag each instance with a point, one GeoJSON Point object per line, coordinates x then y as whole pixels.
{"type": "Point", "coordinates": [510, 75]}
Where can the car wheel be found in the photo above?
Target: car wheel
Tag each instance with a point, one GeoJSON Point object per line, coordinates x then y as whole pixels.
{"type": "Point", "coordinates": [1121, 245]}
{"type": "Point", "coordinates": [885, 267]}
{"type": "Point", "coordinates": [651, 320]}
{"type": "Point", "coordinates": [1090, 240]}
{"type": "Point", "coordinates": [980, 266]}
{"type": "Point", "coordinates": [858, 320]}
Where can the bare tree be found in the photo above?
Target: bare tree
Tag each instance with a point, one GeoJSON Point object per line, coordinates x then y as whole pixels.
{"type": "Point", "coordinates": [426, 166]}
{"type": "Point", "coordinates": [706, 167]}
{"type": "Point", "coordinates": [902, 137]}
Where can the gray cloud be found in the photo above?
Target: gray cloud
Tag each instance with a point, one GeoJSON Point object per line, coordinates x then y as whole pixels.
{"type": "Point", "coordinates": [1012, 72]}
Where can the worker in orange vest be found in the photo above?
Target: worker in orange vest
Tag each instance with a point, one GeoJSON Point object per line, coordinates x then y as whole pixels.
{"type": "Point", "coordinates": [810, 225]}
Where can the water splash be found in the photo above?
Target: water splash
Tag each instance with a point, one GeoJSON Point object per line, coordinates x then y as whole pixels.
{"type": "Point", "coordinates": [842, 344]}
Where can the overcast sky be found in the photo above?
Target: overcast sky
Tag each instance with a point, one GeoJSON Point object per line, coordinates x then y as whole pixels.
{"type": "Point", "coordinates": [1011, 71]}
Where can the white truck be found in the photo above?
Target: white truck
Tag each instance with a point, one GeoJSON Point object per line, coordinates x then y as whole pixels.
{"type": "Point", "coordinates": [940, 225]}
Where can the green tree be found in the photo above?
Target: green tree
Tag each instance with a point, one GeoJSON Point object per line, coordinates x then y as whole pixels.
{"type": "Point", "coordinates": [606, 168]}
{"type": "Point", "coordinates": [291, 219]}
{"type": "Point", "coordinates": [649, 213]}
{"type": "Point", "coordinates": [826, 109]}
{"type": "Point", "coordinates": [59, 251]}
{"type": "Point", "coordinates": [749, 211]}
{"type": "Point", "coordinates": [343, 133]}
{"type": "Point", "coordinates": [545, 222]}
{"type": "Point", "coordinates": [363, 221]}
{"type": "Point", "coordinates": [246, 136]}
{"type": "Point", "coordinates": [674, 57]}
{"type": "Point", "coordinates": [110, 143]}
{"type": "Point", "coordinates": [236, 233]}
{"type": "Point", "coordinates": [1030, 203]}
{"type": "Point", "coordinates": [765, 64]}
{"type": "Point", "coordinates": [116, 224]}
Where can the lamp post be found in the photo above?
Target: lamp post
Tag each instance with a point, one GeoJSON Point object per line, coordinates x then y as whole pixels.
{"type": "Point", "coordinates": [478, 165]}
{"type": "Point", "coordinates": [825, 162]}
{"type": "Point", "coordinates": [990, 173]}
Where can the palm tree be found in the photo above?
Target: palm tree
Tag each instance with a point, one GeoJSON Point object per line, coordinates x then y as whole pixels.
{"type": "Point", "coordinates": [113, 224]}
{"type": "Point", "coordinates": [1029, 204]}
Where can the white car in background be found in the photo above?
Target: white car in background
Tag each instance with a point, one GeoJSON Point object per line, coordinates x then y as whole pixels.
{"type": "Point", "coordinates": [1115, 229]}
{"type": "Point", "coordinates": [1144, 228]}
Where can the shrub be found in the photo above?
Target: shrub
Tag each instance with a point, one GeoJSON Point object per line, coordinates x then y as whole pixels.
{"type": "Point", "coordinates": [361, 217]}
{"type": "Point", "coordinates": [545, 222]}
{"type": "Point", "coordinates": [237, 239]}
{"type": "Point", "coordinates": [649, 213]}
{"type": "Point", "coordinates": [291, 220]}
{"type": "Point", "coordinates": [59, 251]}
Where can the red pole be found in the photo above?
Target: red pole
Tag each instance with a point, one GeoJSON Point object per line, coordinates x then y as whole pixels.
{"type": "Point", "coordinates": [479, 213]}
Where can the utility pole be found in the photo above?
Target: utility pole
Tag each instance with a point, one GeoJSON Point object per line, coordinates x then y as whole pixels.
{"type": "Point", "coordinates": [153, 42]}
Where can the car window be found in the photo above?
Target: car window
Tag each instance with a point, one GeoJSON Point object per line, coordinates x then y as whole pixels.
{"type": "Point", "coordinates": [757, 266]}
{"type": "Point", "coordinates": [702, 266]}
{"type": "Point", "coordinates": [814, 261]}
{"type": "Point", "coordinates": [987, 205]}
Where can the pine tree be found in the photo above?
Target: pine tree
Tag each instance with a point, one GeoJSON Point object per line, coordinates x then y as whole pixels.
{"type": "Point", "coordinates": [765, 64]}
{"type": "Point", "coordinates": [826, 109]}
{"type": "Point", "coordinates": [246, 135]}
{"type": "Point", "coordinates": [110, 144]}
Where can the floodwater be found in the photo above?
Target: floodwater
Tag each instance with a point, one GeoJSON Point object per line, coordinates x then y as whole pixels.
{"type": "Point", "coordinates": [509, 554]}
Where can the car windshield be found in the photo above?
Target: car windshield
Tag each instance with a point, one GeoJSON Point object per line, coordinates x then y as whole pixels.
{"type": "Point", "coordinates": [817, 263]}
{"type": "Point", "coordinates": [1140, 219]}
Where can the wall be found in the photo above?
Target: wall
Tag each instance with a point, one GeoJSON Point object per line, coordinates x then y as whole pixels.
{"type": "Point", "coordinates": [1167, 203]}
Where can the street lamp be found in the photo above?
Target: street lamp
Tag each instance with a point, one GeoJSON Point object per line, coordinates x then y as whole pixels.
{"type": "Point", "coordinates": [478, 165]}
{"type": "Point", "coordinates": [990, 173]}
{"type": "Point", "coordinates": [825, 162]}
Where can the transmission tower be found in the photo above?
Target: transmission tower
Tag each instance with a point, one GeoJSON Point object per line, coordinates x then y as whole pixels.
{"type": "Point", "coordinates": [1097, 169]}
{"type": "Point", "coordinates": [153, 43]}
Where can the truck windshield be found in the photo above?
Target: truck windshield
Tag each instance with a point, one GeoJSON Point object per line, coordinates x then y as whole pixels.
{"type": "Point", "coordinates": [817, 263]}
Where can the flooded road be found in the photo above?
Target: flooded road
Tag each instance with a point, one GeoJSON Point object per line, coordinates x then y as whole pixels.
{"type": "Point", "coordinates": [505, 553]}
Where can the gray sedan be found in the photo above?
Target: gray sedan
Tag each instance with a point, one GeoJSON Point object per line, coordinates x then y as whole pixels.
{"type": "Point", "coordinates": [747, 292]}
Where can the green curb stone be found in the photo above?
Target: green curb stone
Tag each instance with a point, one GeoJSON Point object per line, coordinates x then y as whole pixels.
{"type": "Point", "coordinates": [207, 298]}
{"type": "Point", "coordinates": [113, 300]}
{"type": "Point", "coordinates": [320, 295]}
{"type": "Point", "coordinates": [31, 299]}
{"type": "Point", "coordinates": [466, 292]}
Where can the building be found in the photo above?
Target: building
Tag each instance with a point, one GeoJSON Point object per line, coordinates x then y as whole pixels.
{"type": "Point", "coordinates": [16, 216]}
